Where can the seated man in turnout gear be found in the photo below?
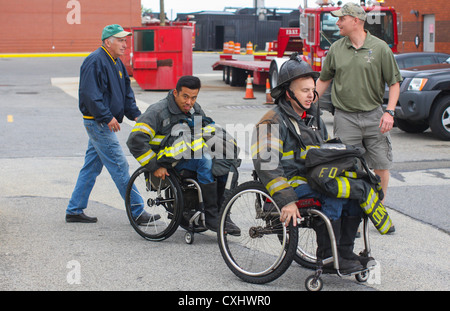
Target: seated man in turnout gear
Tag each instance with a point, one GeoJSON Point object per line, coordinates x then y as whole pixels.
{"type": "Point", "coordinates": [283, 137]}
{"type": "Point", "coordinates": [159, 140]}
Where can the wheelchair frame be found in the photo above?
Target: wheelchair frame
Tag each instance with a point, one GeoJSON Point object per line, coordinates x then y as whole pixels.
{"type": "Point", "coordinates": [165, 197]}
{"type": "Point", "coordinates": [308, 209]}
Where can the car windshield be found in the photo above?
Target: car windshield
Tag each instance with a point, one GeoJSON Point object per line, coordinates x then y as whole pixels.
{"type": "Point", "coordinates": [378, 23]}
{"type": "Point", "coordinates": [329, 31]}
{"type": "Point", "coordinates": [447, 61]}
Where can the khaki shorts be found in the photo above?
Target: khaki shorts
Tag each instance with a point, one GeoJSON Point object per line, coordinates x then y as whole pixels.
{"type": "Point", "coordinates": [362, 129]}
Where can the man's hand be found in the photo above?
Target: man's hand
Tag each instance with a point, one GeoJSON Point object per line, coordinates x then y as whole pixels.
{"type": "Point", "coordinates": [161, 173]}
{"type": "Point", "coordinates": [114, 126]}
{"type": "Point", "coordinates": [289, 212]}
{"type": "Point", "coordinates": [386, 123]}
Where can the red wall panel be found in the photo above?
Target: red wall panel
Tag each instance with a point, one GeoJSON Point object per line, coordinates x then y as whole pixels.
{"type": "Point", "coordinates": [62, 25]}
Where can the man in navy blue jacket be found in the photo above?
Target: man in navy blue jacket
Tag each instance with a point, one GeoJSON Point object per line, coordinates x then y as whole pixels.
{"type": "Point", "coordinates": [105, 97]}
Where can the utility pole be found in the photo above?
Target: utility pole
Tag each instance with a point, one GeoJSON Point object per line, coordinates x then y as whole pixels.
{"type": "Point", "coordinates": [162, 15]}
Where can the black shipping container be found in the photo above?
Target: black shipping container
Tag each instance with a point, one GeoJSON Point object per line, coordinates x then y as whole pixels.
{"type": "Point", "coordinates": [214, 28]}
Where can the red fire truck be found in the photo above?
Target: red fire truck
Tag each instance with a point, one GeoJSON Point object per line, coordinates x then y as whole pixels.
{"type": "Point", "coordinates": [318, 30]}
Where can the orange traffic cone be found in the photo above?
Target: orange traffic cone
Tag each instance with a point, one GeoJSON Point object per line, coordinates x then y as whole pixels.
{"type": "Point", "coordinates": [237, 48]}
{"type": "Point", "coordinates": [249, 48]}
{"type": "Point", "coordinates": [230, 47]}
{"type": "Point", "coordinates": [225, 48]}
{"type": "Point", "coordinates": [269, 99]}
{"type": "Point", "coordinates": [249, 89]}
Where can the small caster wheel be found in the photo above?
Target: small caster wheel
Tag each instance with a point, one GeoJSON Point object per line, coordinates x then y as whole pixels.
{"type": "Point", "coordinates": [312, 284]}
{"type": "Point", "coordinates": [362, 276]}
{"type": "Point", "coordinates": [189, 237]}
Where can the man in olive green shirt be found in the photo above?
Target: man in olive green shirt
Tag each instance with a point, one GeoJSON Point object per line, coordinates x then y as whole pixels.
{"type": "Point", "coordinates": [360, 65]}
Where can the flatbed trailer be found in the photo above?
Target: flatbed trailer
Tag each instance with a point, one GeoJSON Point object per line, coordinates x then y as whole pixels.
{"type": "Point", "coordinates": [235, 72]}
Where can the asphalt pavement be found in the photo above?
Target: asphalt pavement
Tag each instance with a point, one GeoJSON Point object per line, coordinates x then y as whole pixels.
{"type": "Point", "coordinates": [43, 144]}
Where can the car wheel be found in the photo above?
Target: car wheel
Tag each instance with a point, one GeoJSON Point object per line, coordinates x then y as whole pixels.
{"type": "Point", "coordinates": [410, 126]}
{"type": "Point", "coordinates": [440, 118]}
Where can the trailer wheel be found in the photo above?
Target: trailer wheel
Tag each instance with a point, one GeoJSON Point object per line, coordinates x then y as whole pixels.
{"type": "Point", "coordinates": [226, 73]}
{"type": "Point", "coordinates": [237, 77]}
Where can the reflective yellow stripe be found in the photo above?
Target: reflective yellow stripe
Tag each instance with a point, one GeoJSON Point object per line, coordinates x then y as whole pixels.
{"type": "Point", "coordinates": [288, 155]}
{"type": "Point", "coordinates": [350, 174]}
{"type": "Point", "coordinates": [297, 181]}
{"type": "Point", "coordinates": [198, 144]}
{"type": "Point", "coordinates": [368, 205]}
{"type": "Point", "coordinates": [386, 226]}
{"type": "Point", "coordinates": [343, 187]}
{"type": "Point", "coordinates": [174, 150]}
{"type": "Point", "coordinates": [303, 152]}
{"type": "Point", "coordinates": [146, 157]}
{"type": "Point", "coordinates": [88, 117]}
{"type": "Point", "coordinates": [157, 140]}
{"type": "Point", "coordinates": [208, 129]}
{"type": "Point", "coordinates": [264, 144]}
{"type": "Point", "coordinates": [145, 128]}
{"type": "Point", "coordinates": [277, 184]}
{"type": "Point", "coordinates": [180, 147]}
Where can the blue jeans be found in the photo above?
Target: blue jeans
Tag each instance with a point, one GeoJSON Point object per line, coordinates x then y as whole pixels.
{"type": "Point", "coordinates": [103, 150]}
{"type": "Point", "coordinates": [333, 208]}
{"type": "Point", "coordinates": [202, 166]}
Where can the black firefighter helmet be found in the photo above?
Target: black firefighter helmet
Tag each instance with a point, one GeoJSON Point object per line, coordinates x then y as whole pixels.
{"type": "Point", "coordinates": [292, 69]}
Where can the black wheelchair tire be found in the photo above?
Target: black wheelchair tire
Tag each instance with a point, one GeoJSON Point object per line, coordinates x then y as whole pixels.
{"type": "Point", "coordinates": [175, 218]}
{"type": "Point", "coordinates": [290, 247]}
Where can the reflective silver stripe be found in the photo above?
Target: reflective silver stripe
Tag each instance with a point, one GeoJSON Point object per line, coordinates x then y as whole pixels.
{"type": "Point", "coordinates": [297, 181]}
{"type": "Point", "coordinates": [343, 187]}
{"type": "Point", "coordinates": [386, 226]}
{"type": "Point", "coordinates": [146, 157]}
{"type": "Point", "coordinates": [370, 202]}
{"type": "Point", "coordinates": [277, 185]}
{"type": "Point", "coordinates": [145, 128]}
{"type": "Point", "coordinates": [350, 174]}
{"type": "Point", "coordinates": [157, 140]}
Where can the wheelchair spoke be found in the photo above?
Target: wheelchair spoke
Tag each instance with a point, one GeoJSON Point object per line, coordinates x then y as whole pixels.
{"type": "Point", "coordinates": [159, 198]}
{"type": "Point", "coordinates": [258, 254]}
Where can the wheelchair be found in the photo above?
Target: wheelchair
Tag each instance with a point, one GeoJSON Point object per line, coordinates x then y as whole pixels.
{"type": "Point", "coordinates": [177, 200]}
{"type": "Point", "coordinates": [266, 248]}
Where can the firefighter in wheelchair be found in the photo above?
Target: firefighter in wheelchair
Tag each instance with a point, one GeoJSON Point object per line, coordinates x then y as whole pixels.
{"type": "Point", "coordinates": [180, 179]}
{"type": "Point", "coordinates": [294, 160]}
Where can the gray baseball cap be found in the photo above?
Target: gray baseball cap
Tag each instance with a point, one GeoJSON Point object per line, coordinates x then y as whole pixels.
{"type": "Point", "coordinates": [351, 9]}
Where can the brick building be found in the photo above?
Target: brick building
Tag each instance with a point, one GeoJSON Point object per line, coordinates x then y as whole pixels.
{"type": "Point", "coordinates": [425, 20]}
{"type": "Point", "coordinates": [31, 26]}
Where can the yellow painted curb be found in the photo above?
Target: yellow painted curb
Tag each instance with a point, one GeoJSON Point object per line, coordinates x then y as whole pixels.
{"type": "Point", "coordinates": [26, 55]}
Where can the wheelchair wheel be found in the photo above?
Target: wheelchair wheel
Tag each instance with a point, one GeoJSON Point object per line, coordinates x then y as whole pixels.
{"type": "Point", "coordinates": [307, 245]}
{"type": "Point", "coordinates": [313, 284]}
{"type": "Point", "coordinates": [265, 248]}
{"type": "Point", "coordinates": [157, 197]}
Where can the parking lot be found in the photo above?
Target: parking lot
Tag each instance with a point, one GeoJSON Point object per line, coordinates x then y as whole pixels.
{"type": "Point", "coordinates": [43, 144]}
